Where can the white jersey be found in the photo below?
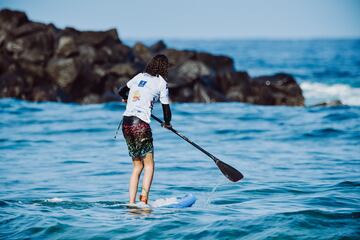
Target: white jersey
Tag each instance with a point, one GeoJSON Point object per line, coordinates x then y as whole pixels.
{"type": "Point", "coordinates": [144, 91]}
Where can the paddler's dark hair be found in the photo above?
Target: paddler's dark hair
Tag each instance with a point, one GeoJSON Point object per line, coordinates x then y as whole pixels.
{"type": "Point", "coordinates": [158, 66]}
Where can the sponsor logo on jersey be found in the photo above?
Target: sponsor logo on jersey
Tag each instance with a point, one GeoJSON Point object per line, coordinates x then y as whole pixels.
{"type": "Point", "coordinates": [142, 83]}
{"type": "Point", "coordinates": [136, 96]}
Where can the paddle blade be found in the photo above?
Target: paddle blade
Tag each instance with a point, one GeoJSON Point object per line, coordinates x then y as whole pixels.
{"type": "Point", "coordinates": [231, 173]}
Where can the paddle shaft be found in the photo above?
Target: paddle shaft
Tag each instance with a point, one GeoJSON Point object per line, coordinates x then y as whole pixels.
{"type": "Point", "coordinates": [231, 173]}
{"type": "Point", "coordinates": [188, 140]}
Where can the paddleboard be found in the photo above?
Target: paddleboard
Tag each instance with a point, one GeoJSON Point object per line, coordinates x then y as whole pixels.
{"type": "Point", "coordinates": [174, 202]}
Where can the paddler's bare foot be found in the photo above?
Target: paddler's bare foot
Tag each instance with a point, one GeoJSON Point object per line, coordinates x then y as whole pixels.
{"type": "Point", "coordinates": [143, 199]}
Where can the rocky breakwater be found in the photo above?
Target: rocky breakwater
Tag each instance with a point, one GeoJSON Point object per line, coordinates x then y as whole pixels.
{"type": "Point", "coordinates": [40, 62]}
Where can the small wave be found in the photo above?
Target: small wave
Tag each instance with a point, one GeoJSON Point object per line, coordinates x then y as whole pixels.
{"type": "Point", "coordinates": [73, 204]}
{"type": "Point", "coordinates": [74, 162]}
{"type": "Point", "coordinates": [78, 130]}
{"type": "Point", "coordinates": [3, 203]}
{"type": "Point", "coordinates": [324, 214]}
{"type": "Point", "coordinates": [54, 200]}
{"type": "Point", "coordinates": [62, 203]}
{"type": "Point", "coordinates": [348, 184]}
{"type": "Point", "coordinates": [232, 131]}
{"type": "Point", "coordinates": [24, 109]}
{"type": "Point", "coordinates": [229, 201]}
{"type": "Point", "coordinates": [54, 228]}
{"type": "Point", "coordinates": [242, 138]}
{"type": "Point", "coordinates": [331, 201]}
{"type": "Point", "coordinates": [24, 141]}
{"type": "Point", "coordinates": [318, 92]}
{"type": "Point", "coordinates": [323, 132]}
{"type": "Point", "coordinates": [339, 116]}
{"type": "Point", "coordinates": [109, 173]}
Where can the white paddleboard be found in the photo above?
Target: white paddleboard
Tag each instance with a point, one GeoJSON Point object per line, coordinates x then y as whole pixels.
{"type": "Point", "coordinates": [175, 202]}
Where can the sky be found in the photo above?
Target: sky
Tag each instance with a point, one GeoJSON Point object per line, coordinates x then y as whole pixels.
{"type": "Point", "coordinates": [201, 19]}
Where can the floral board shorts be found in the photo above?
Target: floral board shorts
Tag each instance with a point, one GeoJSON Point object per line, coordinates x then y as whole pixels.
{"type": "Point", "coordinates": [138, 136]}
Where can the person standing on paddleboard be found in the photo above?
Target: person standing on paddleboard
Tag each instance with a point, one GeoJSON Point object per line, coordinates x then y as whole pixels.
{"type": "Point", "coordinates": [140, 93]}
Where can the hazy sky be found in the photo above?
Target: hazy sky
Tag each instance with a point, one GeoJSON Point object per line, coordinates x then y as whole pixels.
{"type": "Point", "coordinates": [197, 19]}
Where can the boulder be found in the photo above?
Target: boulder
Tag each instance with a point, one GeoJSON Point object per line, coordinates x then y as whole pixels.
{"type": "Point", "coordinates": [123, 69]}
{"type": "Point", "coordinates": [182, 94]}
{"type": "Point", "coordinates": [121, 53]}
{"type": "Point", "coordinates": [66, 47]}
{"type": "Point", "coordinates": [36, 47]}
{"type": "Point", "coordinates": [5, 62]}
{"type": "Point", "coordinates": [45, 93]}
{"type": "Point", "coordinates": [87, 54]}
{"type": "Point", "coordinates": [98, 38]}
{"type": "Point", "coordinates": [177, 57]}
{"type": "Point", "coordinates": [32, 69]}
{"type": "Point", "coordinates": [227, 80]}
{"type": "Point", "coordinates": [4, 36]}
{"type": "Point", "coordinates": [191, 70]}
{"type": "Point", "coordinates": [278, 89]}
{"type": "Point", "coordinates": [93, 38]}
{"type": "Point", "coordinates": [12, 19]}
{"type": "Point", "coordinates": [63, 71]}
{"type": "Point", "coordinates": [220, 63]}
{"type": "Point", "coordinates": [12, 85]}
{"type": "Point", "coordinates": [28, 28]}
{"type": "Point", "coordinates": [142, 53]}
{"type": "Point", "coordinates": [158, 46]}
{"type": "Point", "coordinates": [91, 99]}
{"type": "Point", "coordinates": [85, 83]}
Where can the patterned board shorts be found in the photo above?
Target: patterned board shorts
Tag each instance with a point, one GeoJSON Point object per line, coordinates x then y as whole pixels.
{"type": "Point", "coordinates": [138, 137]}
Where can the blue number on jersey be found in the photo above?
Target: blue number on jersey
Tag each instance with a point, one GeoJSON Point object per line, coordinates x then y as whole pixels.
{"type": "Point", "coordinates": [142, 83]}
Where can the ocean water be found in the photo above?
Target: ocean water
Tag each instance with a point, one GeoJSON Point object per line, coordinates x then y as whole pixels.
{"type": "Point", "coordinates": [64, 176]}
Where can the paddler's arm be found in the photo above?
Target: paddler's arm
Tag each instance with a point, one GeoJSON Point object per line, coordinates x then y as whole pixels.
{"type": "Point", "coordinates": [167, 115]}
{"type": "Point", "coordinates": [124, 93]}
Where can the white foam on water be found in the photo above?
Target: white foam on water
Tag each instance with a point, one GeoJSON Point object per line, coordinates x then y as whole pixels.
{"type": "Point", "coordinates": [141, 205]}
{"type": "Point", "coordinates": [54, 200]}
{"type": "Point", "coordinates": [164, 202]}
{"type": "Point", "coordinates": [317, 92]}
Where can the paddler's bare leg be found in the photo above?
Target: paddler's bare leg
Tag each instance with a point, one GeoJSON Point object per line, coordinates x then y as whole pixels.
{"type": "Point", "coordinates": [134, 179]}
{"type": "Point", "coordinates": [148, 177]}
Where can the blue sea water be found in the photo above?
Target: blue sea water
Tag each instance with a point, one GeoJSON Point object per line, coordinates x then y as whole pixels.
{"type": "Point", "coordinates": [64, 176]}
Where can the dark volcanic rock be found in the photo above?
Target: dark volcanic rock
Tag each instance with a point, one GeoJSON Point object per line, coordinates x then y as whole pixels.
{"type": "Point", "coordinates": [12, 19]}
{"type": "Point", "coordinates": [66, 47]}
{"type": "Point", "coordinates": [63, 71]}
{"type": "Point", "coordinates": [334, 103]}
{"type": "Point", "coordinates": [158, 46]}
{"type": "Point", "coordinates": [40, 62]}
{"type": "Point", "coordinates": [238, 87]}
{"type": "Point", "coordinates": [278, 89]}
{"type": "Point", "coordinates": [12, 85]}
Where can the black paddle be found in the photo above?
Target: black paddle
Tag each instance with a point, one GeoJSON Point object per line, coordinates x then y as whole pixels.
{"type": "Point", "coordinates": [231, 173]}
